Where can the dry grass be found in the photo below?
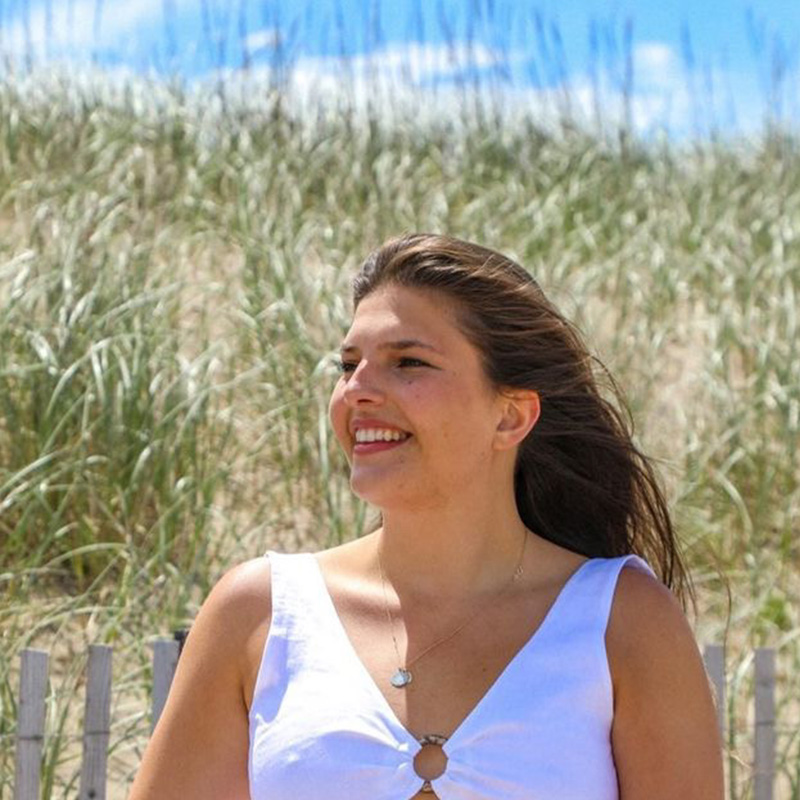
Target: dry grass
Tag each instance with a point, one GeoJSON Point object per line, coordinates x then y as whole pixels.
{"type": "Point", "coordinates": [171, 288]}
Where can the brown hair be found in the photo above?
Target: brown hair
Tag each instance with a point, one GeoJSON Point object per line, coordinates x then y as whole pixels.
{"type": "Point", "coordinates": [580, 481]}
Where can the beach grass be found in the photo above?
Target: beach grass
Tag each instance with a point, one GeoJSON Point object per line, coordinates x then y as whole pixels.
{"type": "Point", "coordinates": [174, 280]}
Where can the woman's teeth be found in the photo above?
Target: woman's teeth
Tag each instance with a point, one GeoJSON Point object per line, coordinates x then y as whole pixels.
{"type": "Point", "coordinates": [379, 435]}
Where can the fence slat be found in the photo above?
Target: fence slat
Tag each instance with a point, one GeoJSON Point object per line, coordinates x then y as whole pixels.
{"type": "Point", "coordinates": [165, 659]}
{"type": "Point", "coordinates": [30, 725]}
{"type": "Point", "coordinates": [764, 766]}
{"type": "Point", "coordinates": [714, 656]}
{"type": "Point", "coordinates": [96, 724]}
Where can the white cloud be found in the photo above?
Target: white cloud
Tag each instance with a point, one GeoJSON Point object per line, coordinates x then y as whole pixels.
{"type": "Point", "coordinates": [399, 82]}
{"type": "Point", "coordinates": [412, 63]}
{"type": "Point", "coordinates": [654, 58]}
{"type": "Point", "coordinates": [382, 86]}
{"type": "Point", "coordinates": [657, 98]}
{"type": "Point", "coordinates": [403, 78]}
{"type": "Point", "coordinates": [71, 27]}
{"type": "Point", "coordinates": [266, 39]}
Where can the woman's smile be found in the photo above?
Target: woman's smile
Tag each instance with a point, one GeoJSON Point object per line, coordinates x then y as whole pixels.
{"type": "Point", "coordinates": [377, 446]}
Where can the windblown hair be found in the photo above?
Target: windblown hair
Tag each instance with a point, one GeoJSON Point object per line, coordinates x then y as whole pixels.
{"type": "Point", "coordinates": [579, 481]}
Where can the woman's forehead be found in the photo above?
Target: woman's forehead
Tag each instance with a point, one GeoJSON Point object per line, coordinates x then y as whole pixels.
{"type": "Point", "coordinates": [397, 313]}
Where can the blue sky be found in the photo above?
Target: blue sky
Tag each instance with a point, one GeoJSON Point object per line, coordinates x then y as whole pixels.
{"type": "Point", "coordinates": [688, 67]}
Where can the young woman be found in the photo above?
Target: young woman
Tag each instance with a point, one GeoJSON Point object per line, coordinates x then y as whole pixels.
{"type": "Point", "coordinates": [486, 640]}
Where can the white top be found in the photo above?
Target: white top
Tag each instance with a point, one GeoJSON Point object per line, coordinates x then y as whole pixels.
{"type": "Point", "coordinates": [320, 727]}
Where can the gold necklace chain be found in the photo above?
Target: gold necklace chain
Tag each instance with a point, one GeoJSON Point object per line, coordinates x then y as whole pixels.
{"type": "Point", "coordinates": [403, 676]}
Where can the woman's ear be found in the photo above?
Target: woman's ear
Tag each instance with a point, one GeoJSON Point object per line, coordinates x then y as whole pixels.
{"type": "Point", "coordinates": [521, 410]}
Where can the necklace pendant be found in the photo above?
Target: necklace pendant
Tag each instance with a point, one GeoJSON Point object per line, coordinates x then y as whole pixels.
{"type": "Point", "coordinates": [401, 678]}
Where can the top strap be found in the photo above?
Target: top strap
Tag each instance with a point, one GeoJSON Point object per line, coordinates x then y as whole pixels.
{"type": "Point", "coordinates": [298, 594]}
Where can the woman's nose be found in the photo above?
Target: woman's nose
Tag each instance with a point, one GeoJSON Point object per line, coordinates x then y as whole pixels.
{"type": "Point", "coordinates": [363, 386]}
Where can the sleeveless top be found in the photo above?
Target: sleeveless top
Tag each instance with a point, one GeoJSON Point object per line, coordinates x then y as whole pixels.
{"type": "Point", "coordinates": [320, 727]}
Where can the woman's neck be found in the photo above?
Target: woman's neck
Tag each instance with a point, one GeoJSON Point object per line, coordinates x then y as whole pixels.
{"type": "Point", "coordinates": [447, 554]}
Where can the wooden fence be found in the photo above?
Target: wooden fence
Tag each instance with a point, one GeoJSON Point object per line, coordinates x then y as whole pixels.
{"type": "Point", "coordinates": [97, 717]}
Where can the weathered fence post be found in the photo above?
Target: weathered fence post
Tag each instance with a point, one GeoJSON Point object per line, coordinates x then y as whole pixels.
{"type": "Point", "coordinates": [165, 659]}
{"type": "Point", "coordinates": [714, 656]}
{"type": "Point", "coordinates": [96, 724]}
{"type": "Point", "coordinates": [30, 724]}
{"type": "Point", "coordinates": [764, 753]}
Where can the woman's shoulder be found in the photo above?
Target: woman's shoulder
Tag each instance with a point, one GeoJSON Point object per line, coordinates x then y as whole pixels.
{"type": "Point", "coordinates": [646, 625]}
{"type": "Point", "coordinates": [239, 606]}
{"type": "Point", "coordinates": [664, 712]}
{"type": "Point", "coordinates": [208, 739]}
{"type": "Point", "coordinates": [245, 588]}
{"type": "Point", "coordinates": [231, 628]}
{"type": "Point", "coordinates": [642, 602]}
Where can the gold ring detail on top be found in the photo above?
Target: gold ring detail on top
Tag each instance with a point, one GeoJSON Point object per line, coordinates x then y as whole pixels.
{"type": "Point", "coordinates": [431, 740]}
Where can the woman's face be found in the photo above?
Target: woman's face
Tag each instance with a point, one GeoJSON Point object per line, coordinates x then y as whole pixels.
{"type": "Point", "coordinates": [408, 371]}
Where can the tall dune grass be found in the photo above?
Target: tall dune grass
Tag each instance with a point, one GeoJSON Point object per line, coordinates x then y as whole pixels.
{"type": "Point", "coordinates": [172, 286]}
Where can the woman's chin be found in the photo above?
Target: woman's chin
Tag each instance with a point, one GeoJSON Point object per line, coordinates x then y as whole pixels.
{"type": "Point", "coordinates": [374, 496]}
{"type": "Point", "coordinates": [387, 495]}
{"type": "Point", "coordinates": [381, 493]}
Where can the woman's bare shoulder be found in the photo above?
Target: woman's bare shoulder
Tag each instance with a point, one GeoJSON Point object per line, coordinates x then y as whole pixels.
{"type": "Point", "coordinates": [646, 619]}
{"type": "Point", "coordinates": [663, 707]}
{"type": "Point", "coordinates": [242, 597]}
{"type": "Point", "coordinates": [643, 607]}
{"type": "Point", "coordinates": [244, 585]}
{"type": "Point", "coordinates": [238, 612]}
{"type": "Point", "coordinates": [209, 738]}
{"type": "Point", "coordinates": [664, 736]}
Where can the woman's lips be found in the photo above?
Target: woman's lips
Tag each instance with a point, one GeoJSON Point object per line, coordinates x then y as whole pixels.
{"type": "Point", "coordinates": [365, 448]}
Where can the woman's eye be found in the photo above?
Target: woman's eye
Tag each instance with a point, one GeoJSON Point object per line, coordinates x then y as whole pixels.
{"type": "Point", "coordinates": [345, 366]}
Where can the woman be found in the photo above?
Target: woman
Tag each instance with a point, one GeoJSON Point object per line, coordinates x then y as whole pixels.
{"type": "Point", "coordinates": [485, 641]}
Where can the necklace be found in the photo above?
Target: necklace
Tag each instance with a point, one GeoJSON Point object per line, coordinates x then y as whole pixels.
{"type": "Point", "coordinates": [403, 675]}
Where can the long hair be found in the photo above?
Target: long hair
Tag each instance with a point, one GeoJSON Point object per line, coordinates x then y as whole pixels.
{"type": "Point", "coordinates": [579, 479]}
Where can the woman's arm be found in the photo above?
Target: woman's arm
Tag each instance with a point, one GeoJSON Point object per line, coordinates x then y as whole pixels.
{"type": "Point", "coordinates": [665, 737]}
{"type": "Point", "coordinates": [200, 745]}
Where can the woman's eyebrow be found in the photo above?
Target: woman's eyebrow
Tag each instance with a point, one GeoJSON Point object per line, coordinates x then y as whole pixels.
{"type": "Point", "coordinates": [400, 344]}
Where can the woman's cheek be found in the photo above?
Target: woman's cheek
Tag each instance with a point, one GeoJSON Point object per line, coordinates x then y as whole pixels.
{"type": "Point", "coordinates": [338, 420]}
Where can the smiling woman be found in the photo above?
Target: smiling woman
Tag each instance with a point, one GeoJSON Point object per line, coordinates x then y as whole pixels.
{"type": "Point", "coordinates": [486, 640]}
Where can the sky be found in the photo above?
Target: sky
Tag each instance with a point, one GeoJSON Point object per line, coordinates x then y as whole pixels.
{"type": "Point", "coordinates": [688, 68]}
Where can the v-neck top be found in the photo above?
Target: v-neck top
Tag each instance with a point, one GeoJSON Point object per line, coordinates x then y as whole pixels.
{"type": "Point", "coordinates": [320, 726]}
